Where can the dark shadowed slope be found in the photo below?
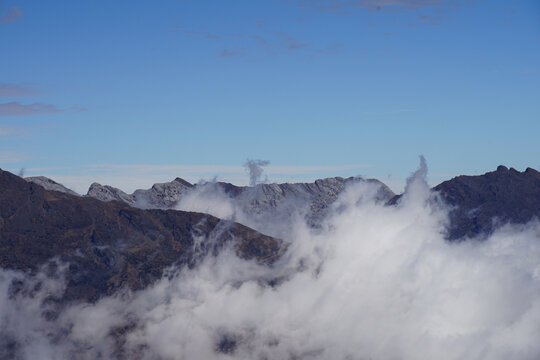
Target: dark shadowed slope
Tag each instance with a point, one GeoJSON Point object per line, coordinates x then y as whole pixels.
{"type": "Point", "coordinates": [485, 201]}
{"type": "Point", "coordinates": [109, 245]}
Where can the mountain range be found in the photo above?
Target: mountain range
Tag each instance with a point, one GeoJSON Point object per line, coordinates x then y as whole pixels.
{"type": "Point", "coordinates": [111, 239]}
{"type": "Point", "coordinates": [480, 203]}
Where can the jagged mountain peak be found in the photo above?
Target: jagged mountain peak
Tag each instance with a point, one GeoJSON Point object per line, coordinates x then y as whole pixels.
{"type": "Point", "coordinates": [504, 195]}
{"type": "Point", "coordinates": [109, 193]}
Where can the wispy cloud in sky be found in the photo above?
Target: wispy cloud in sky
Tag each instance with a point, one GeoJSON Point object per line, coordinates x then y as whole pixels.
{"type": "Point", "coordinates": [388, 112]}
{"type": "Point", "coordinates": [213, 169]}
{"type": "Point", "coordinates": [339, 5]}
{"type": "Point", "coordinates": [12, 14]}
{"type": "Point", "coordinates": [7, 130]}
{"type": "Point", "coordinates": [226, 53]}
{"type": "Point", "coordinates": [16, 90]}
{"type": "Point", "coordinates": [15, 108]}
{"type": "Point", "coordinates": [78, 108]}
{"type": "Point", "coordinates": [8, 157]}
{"type": "Point", "coordinates": [259, 39]}
{"type": "Point", "coordinates": [291, 43]}
{"type": "Point", "coordinates": [271, 42]}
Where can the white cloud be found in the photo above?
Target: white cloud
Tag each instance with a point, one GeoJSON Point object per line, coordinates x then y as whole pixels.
{"type": "Point", "coordinates": [6, 130]}
{"type": "Point", "coordinates": [9, 157]}
{"type": "Point", "coordinates": [375, 282]}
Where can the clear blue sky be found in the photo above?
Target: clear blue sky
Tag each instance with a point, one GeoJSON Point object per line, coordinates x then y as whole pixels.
{"type": "Point", "coordinates": [318, 88]}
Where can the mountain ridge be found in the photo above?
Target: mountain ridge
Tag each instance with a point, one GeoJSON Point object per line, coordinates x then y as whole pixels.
{"type": "Point", "coordinates": [479, 201]}
{"type": "Point", "coordinates": [110, 245]}
{"type": "Point", "coordinates": [484, 202]}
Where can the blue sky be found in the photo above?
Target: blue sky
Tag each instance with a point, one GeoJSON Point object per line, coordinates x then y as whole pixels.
{"type": "Point", "coordinates": [130, 93]}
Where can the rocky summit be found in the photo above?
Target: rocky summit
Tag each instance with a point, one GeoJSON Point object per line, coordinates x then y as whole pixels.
{"type": "Point", "coordinates": [481, 204]}
{"type": "Point", "coordinates": [484, 202]}
{"type": "Point", "coordinates": [159, 196]}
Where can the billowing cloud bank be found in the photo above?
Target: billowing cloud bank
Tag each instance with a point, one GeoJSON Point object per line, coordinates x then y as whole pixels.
{"type": "Point", "coordinates": [375, 282]}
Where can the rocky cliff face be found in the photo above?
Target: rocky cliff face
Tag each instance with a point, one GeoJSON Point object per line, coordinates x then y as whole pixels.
{"type": "Point", "coordinates": [263, 200]}
{"type": "Point", "coordinates": [280, 202]}
{"type": "Point", "coordinates": [110, 245]}
{"type": "Point", "coordinates": [318, 195]}
{"type": "Point", "coordinates": [481, 203]}
{"type": "Point", "coordinates": [109, 193]}
{"type": "Point", "coordinates": [159, 196]}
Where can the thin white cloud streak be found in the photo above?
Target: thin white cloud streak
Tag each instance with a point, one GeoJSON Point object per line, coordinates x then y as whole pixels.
{"type": "Point", "coordinates": [142, 176]}
{"type": "Point", "coordinates": [15, 108]}
{"type": "Point", "coordinates": [389, 112]}
{"type": "Point", "coordinates": [9, 157]}
{"type": "Point", "coordinates": [339, 5]}
{"type": "Point", "coordinates": [17, 90]}
{"type": "Point", "coordinates": [375, 282]}
{"type": "Point", "coordinates": [274, 169]}
{"type": "Point", "coordinates": [7, 130]}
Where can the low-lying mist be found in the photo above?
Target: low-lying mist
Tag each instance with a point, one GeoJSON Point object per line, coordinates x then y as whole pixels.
{"type": "Point", "coordinates": [372, 282]}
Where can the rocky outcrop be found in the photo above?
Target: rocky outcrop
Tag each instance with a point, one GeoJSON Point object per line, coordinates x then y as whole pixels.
{"type": "Point", "coordinates": [162, 195]}
{"type": "Point", "coordinates": [109, 193]}
{"type": "Point", "coordinates": [319, 194]}
{"type": "Point", "coordinates": [159, 196]}
{"type": "Point", "coordinates": [110, 245]}
{"type": "Point", "coordinates": [482, 203]}
{"type": "Point", "coordinates": [279, 200]}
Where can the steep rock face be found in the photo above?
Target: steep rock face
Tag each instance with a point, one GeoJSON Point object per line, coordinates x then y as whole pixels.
{"type": "Point", "coordinates": [110, 245]}
{"type": "Point", "coordinates": [162, 195]}
{"type": "Point", "coordinates": [275, 200]}
{"type": "Point", "coordinates": [485, 201]}
{"type": "Point", "coordinates": [280, 201]}
{"type": "Point", "coordinates": [319, 194]}
{"type": "Point", "coordinates": [159, 196]}
{"type": "Point", "coordinates": [49, 184]}
{"type": "Point", "coordinates": [109, 193]}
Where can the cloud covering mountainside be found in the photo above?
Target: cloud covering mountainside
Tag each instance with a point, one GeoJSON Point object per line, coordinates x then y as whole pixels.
{"type": "Point", "coordinates": [372, 281]}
